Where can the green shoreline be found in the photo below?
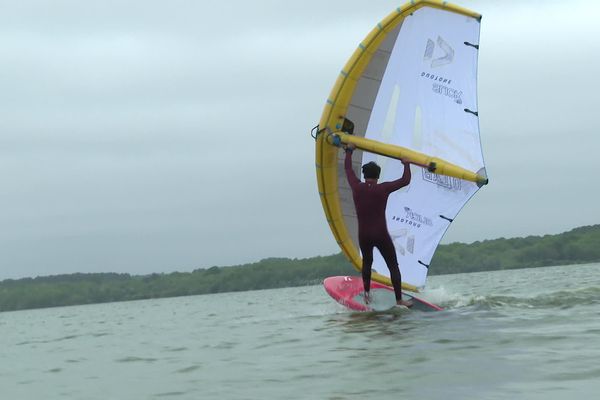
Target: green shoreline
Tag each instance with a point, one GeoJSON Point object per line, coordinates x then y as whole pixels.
{"type": "Point", "coordinates": [578, 246]}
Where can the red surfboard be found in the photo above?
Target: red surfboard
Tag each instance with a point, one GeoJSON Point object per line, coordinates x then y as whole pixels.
{"type": "Point", "coordinates": [349, 291]}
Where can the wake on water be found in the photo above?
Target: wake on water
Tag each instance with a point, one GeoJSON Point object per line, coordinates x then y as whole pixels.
{"type": "Point", "coordinates": [556, 299]}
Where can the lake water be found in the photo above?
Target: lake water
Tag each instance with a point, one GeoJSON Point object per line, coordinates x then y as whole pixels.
{"type": "Point", "coordinates": [526, 334]}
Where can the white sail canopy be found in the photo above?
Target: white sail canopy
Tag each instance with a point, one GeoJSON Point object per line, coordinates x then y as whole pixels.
{"type": "Point", "coordinates": [427, 102]}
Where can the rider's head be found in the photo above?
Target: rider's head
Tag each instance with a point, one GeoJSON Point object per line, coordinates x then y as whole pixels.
{"type": "Point", "coordinates": [371, 170]}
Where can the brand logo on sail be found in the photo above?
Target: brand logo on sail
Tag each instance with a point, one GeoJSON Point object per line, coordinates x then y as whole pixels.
{"type": "Point", "coordinates": [445, 59]}
{"type": "Point", "coordinates": [447, 182]}
{"type": "Point", "coordinates": [412, 218]}
{"type": "Point", "coordinates": [440, 82]}
{"type": "Point", "coordinates": [454, 94]}
{"type": "Point", "coordinates": [403, 242]}
{"type": "Point", "coordinates": [436, 78]}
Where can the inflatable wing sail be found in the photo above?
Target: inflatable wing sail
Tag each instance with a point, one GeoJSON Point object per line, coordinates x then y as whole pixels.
{"type": "Point", "coordinates": [408, 92]}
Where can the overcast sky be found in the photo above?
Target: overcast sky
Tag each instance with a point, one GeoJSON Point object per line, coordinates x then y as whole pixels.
{"type": "Point", "coordinates": [153, 136]}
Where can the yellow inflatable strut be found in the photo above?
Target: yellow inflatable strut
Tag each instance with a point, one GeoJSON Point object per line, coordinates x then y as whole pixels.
{"type": "Point", "coordinates": [433, 164]}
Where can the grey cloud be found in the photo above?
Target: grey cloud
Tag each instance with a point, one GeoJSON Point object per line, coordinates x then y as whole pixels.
{"type": "Point", "coordinates": [152, 136]}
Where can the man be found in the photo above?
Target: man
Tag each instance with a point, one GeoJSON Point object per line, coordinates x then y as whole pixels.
{"type": "Point", "coordinates": [370, 200]}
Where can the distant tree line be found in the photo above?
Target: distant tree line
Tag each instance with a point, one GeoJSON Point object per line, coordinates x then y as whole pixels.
{"type": "Point", "coordinates": [578, 246]}
{"type": "Point", "coordinates": [581, 245]}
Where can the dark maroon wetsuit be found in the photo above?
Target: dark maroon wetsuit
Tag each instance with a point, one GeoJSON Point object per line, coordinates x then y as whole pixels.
{"type": "Point", "coordinates": [370, 200]}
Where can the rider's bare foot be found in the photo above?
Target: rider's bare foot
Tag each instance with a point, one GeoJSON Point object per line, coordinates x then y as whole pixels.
{"type": "Point", "coordinates": [405, 303]}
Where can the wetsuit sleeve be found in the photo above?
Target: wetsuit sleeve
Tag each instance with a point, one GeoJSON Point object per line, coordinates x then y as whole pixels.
{"type": "Point", "coordinates": [399, 183]}
{"type": "Point", "coordinates": [350, 175]}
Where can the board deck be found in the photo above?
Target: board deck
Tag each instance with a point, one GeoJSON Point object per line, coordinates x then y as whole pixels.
{"type": "Point", "coordinates": [348, 291]}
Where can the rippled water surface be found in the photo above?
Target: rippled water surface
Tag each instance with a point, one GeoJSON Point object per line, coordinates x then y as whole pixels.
{"type": "Point", "coordinates": [527, 334]}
